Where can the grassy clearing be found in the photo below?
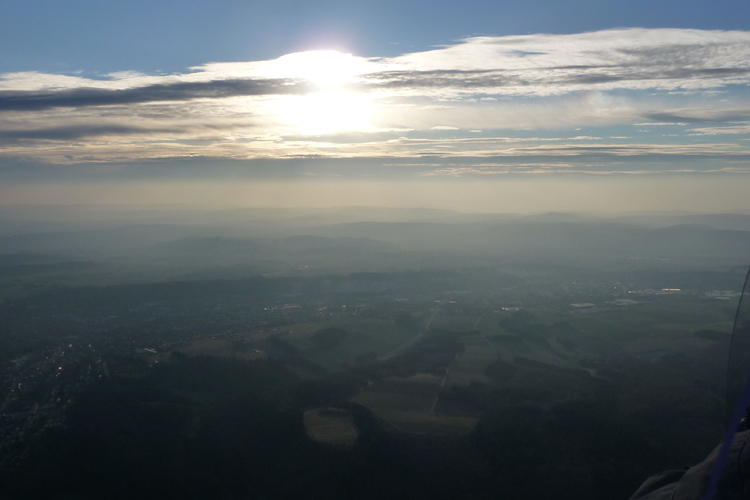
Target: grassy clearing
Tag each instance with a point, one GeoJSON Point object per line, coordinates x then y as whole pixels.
{"type": "Point", "coordinates": [376, 400]}
{"type": "Point", "coordinates": [470, 366]}
{"type": "Point", "coordinates": [488, 324]}
{"type": "Point", "coordinates": [405, 403]}
{"type": "Point", "coordinates": [454, 323]}
{"type": "Point", "coordinates": [213, 347]}
{"type": "Point", "coordinates": [364, 336]}
{"type": "Point", "coordinates": [549, 357]}
{"type": "Point", "coordinates": [415, 394]}
{"type": "Point", "coordinates": [656, 328]}
{"type": "Point", "coordinates": [370, 333]}
{"type": "Point", "coordinates": [508, 347]}
{"type": "Point", "coordinates": [331, 426]}
{"type": "Point", "coordinates": [422, 378]}
{"type": "Point", "coordinates": [425, 422]}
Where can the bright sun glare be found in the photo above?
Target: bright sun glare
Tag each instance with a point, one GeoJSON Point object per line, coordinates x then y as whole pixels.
{"type": "Point", "coordinates": [324, 68]}
{"type": "Point", "coordinates": [332, 108]}
{"type": "Point", "coordinates": [326, 112]}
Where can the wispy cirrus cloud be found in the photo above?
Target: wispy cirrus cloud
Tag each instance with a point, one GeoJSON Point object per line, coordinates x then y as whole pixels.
{"type": "Point", "coordinates": [553, 64]}
{"type": "Point", "coordinates": [742, 128]}
{"type": "Point", "coordinates": [541, 64]}
{"type": "Point", "coordinates": [422, 104]}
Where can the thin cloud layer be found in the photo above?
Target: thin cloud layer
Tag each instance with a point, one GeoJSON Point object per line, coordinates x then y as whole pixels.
{"type": "Point", "coordinates": [632, 93]}
{"type": "Point", "coordinates": [182, 91]}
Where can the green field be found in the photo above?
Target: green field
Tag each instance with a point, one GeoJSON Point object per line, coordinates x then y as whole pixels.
{"type": "Point", "coordinates": [212, 347]}
{"type": "Point", "coordinates": [454, 323]}
{"type": "Point", "coordinates": [331, 426]}
{"type": "Point", "coordinates": [654, 328]}
{"type": "Point", "coordinates": [470, 365]}
{"type": "Point", "coordinates": [426, 423]}
{"type": "Point", "coordinates": [406, 403]}
{"type": "Point", "coordinates": [558, 338]}
{"type": "Point", "coordinates": [365, 336]}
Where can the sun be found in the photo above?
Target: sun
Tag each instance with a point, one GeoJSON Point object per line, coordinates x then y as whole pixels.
{"type": "Point", "coordinates": [332, 105]}
{"type": "Point", "coordinates": [326, 112]}
{"type": "Point", "coordinates": [324, 68]}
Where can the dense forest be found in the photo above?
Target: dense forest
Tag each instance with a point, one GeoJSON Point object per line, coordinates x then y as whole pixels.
{"type": "Point", "coordinates": [202, 427]}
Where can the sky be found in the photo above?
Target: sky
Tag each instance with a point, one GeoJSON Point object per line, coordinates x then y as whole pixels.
{"type": "Point", "coordinates": [473, 105]}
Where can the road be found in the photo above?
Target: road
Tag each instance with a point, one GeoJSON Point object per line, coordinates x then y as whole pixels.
{"type": "Point", "coordinates": [403, 347]}
{"type": "Point", "coordinates": [494, 349]}
{"type": "Point", "coordinates": [445, 377]}
{"type": "Point", "coordinates": [447, 370]}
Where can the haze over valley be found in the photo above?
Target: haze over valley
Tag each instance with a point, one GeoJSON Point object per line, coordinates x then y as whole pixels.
{"type": "Point", "coordinates": [369, 250]}
{"type": "Point", "coordinates": [321, 336]}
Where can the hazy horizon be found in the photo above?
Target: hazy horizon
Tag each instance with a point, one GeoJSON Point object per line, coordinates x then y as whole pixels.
{"type": "Point", "coordinates": [516, 195]}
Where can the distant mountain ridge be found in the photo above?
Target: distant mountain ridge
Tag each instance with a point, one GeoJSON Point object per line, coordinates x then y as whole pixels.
{"type": "Point", "coordinates": [292, 241]}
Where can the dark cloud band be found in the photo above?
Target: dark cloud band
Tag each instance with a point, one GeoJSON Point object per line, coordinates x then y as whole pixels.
{"type": "Point", "coordinates": [183, 91]}
{"type": "Point", "coordinates": [551, 76]}
{"type": "Point", "coordinates": [75, 132]}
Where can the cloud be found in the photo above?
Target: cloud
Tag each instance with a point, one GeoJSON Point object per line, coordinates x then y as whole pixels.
{"type": "Point", "coordinates": [525, 93]}
{"type": "Point", "coordinates": [625, 58]}
{"type": "Point", "coordinates": [732, 130]}
{"type": "Point", "coordinates": [182, 91]}
{"type": "Point", "coordinates": [677, 117]}
{"type": "Point", "coordinates": [559, 80]}
{"type": "Point", "coordinates": [533, 64]}
{"type": "Point", "coordinates": [68, 133]}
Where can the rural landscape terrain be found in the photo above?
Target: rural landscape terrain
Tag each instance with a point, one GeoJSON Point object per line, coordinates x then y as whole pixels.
{"type": "Point", "coordinates": [371, 250]}
{"type": "Point", "coordinates": [360, 353]}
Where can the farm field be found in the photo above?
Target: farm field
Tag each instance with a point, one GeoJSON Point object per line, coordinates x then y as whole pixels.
{"type": "Point", "coordinates": [220, 348]}
{"type": "Point", "coordinates": [373, 337]}
{"type": "Point", "coordinates": [407, 405]}
{"type": "Point", "coordinates": [331, 426]}
{"type": "Point", "coordinates": [454, 323]}
{"type": "Point", "coordinates": [648, 330]}
{"type": "Point", "coordinates": [412, 404]}
{"type": "Point", "coordinates": [470, 366]}
{"type": "Point", "coordinates": [654, 329]}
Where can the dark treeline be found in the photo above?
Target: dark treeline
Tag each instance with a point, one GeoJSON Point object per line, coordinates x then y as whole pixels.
{"type": "Point", "coordinates": [216, 428]}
